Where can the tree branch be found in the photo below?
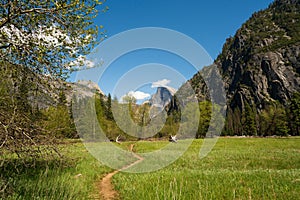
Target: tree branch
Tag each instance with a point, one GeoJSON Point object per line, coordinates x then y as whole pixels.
{"type": "Point", "coordinates": [36, 10]}
{"type": "Point", "coordinates": [5, 46]}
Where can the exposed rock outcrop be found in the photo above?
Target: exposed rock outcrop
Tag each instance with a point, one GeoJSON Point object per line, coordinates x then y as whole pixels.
{"type": "Point", "coordinates": [261, 63]}
{"type": "Point", "coordinates": [161, 100]}
{"type": "Point", "coordinates": [162, 97]}
{"type": "Point", "coordinates": [83, 89]}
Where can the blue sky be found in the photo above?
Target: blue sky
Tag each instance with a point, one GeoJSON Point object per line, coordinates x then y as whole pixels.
{"type": "Point", "coordinates": [207, 22]}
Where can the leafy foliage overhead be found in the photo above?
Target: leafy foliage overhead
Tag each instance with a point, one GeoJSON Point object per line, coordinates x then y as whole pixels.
{"type": "Point", "coordinates": [49, 37]}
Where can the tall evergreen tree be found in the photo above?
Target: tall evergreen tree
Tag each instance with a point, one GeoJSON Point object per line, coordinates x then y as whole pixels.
{"type": "Point", "coordinates": [294, 114]}
{"type": "Point", "coordinates": [205, 108]}
{"type": "Point", "coordinates": [237, 119]}
{"type": "Point", "coordinates": [249, 120]}
{"type": "Point", "coordinates": [108, 111]}
{"type": "Point", "coordinates": [273, 120]}
{"type": "Point", "coordinates": [229, 123]}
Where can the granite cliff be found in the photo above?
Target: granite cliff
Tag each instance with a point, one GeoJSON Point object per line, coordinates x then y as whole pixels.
{"type": "Point", "coordinates": [261, 62]}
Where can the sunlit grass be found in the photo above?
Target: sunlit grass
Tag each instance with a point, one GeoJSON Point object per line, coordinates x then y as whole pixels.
{"type": "Point", "coordinates": [237, 168]}
{"type": "Point", "coordinates": [73, 177]}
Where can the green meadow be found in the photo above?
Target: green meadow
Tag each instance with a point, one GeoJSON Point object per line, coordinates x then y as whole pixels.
{"type": "Point", "coordinates": [236, 168]}
{"type": "Point", "coordinates": [72, 175]}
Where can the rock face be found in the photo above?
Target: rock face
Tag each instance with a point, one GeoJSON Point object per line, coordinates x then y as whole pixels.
{"type": "Point", "coordinates": [162, 97]}
{"type": "Point", "coordinates": [261, 63]}
{"type": "Point", "coordinates": [161, 100]}
{"type": "Point", "coordinates": [83, 89]}
{"type": "Point", "coordinates": [50, 91]}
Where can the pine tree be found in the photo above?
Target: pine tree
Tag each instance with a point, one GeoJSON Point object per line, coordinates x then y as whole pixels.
{"type": "Point", "coordinates": [229, 123]}
{"type": "Point", "coordinates": [294, 114]}
{"type": "Point", "coordinates": [237, 123]}
{"type": "Point", "coordinates": [205, 117]}
{"type": "Point", "coordinates": [273, 120]}
{"type": "Point", "coordinates": [249, 122]}
{"type": "Point", "coordinates": [108, 111]}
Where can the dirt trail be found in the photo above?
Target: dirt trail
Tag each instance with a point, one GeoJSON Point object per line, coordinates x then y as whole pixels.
{"type": "Point", "coordinates": [107, 191]}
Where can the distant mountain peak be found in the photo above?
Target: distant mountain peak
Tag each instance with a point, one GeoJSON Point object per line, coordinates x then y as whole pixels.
{"type": "Point", "coordinates": [84, 88]}
{"type": "Point", "coordinates": [161, 99]}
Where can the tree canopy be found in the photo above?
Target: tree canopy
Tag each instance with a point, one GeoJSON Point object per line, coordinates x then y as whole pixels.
{"type": "Point", "coordinates": [39, 38]}
{"type": "Point", "coordinates": [49, 37]}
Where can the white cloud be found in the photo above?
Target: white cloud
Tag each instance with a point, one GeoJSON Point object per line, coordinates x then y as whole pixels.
{"type": "Point", "coordinates": [139, 95]}
{"type": "Point", "coordinates": [164, 83]}
{"type": "Point", "coordinates": [160, 83]}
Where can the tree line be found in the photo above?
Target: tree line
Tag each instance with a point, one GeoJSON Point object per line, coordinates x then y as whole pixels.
{"type": "Point", "coordinates": [274, 119]}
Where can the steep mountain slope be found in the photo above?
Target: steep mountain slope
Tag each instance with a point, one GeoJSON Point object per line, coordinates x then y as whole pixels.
{"type": "Point", "coordinates": [161, 100]}
{"type": "Point", "coordinates": [162, 97]}
{"type": "Point", "coordinates": [261, 63]}
{"type": "Point", "coordinates": [82, 89]}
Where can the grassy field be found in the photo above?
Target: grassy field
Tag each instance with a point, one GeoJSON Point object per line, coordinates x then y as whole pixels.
{"type": "Point", "coordinates": [72, 177]}
{"type": "Point", "coordinates": [237, 168]}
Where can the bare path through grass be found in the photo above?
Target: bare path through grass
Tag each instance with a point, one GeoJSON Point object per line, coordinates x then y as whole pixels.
{"type": "Point", "coordinates": [107, 191]}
